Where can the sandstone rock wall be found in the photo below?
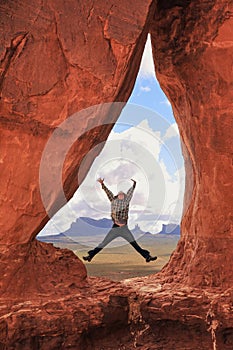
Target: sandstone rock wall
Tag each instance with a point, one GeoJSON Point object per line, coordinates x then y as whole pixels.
{"type": "Point", "coordinates": [65, 56]}
{"type": "Point", "coordinates": [57, 58]}
{"type": "Point", "coordinates": [192, 48]}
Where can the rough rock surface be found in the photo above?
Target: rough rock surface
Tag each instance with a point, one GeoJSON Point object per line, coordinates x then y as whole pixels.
{"type": "Point", "coordinates": [80, 320]}
{"type": "Point", "coordinates": [178, 316]}
{"type": "Point", "coordinates": [145, 314]}
{"type": "Point", "coordinates": [58, 59]}
{"type": "Point", "coordinates": [37, 269]}
{"type": "Point", "coordinates": [192, 48]}
{"type": "Point", "coordinates": [51, 69]}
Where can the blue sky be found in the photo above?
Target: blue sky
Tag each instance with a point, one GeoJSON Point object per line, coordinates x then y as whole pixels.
{"type": "Point", "coordinates": [147, 93]}
{"type": "Point", "coordinates": [144, 144]}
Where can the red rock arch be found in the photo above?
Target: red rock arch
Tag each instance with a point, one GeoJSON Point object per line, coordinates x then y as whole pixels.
{"type": "Point", "coordinates": [66, 56]}
{"type": "Point", "coordinates": [189, 43]}
{"type": "Point", "coordinates": [60, 59]}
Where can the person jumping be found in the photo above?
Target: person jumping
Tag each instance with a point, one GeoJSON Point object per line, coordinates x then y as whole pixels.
{"type": "Point", "coordinates": [119, 214]}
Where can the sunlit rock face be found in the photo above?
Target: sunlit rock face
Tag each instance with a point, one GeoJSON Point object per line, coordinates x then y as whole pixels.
{"type": "Point", "coordinates": [57, 58]}
{"type": "Point", "coordinates": [192, 47]}
{"type": "Point", "coordinates": [62, 57]}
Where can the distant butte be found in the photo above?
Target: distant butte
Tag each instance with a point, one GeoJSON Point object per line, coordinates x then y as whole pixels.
{"type": "Point", "coordinates": [58, 58]}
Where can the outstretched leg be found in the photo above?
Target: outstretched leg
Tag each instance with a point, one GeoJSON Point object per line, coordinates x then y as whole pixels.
{"type": "Point", "coordinates": [128, 236]}
{"type": "Point", "coordinates": [111, 235]}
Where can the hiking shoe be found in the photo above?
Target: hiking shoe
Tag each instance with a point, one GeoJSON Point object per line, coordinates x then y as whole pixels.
{"type": "Point", "coordinates": [151, 258]}
{"type": "Point", "coordinates": [87, 258]}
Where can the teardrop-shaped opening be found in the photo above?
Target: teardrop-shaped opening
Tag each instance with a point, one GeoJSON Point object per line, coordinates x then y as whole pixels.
{"type": "Point", "coordinates": [144, 145]}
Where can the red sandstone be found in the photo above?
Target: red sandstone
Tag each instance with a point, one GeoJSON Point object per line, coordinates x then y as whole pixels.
{"type": "Point", "coordinates": [59, 59]}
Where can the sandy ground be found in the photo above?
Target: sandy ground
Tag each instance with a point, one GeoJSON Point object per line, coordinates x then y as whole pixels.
{"type": "Point", "coordinates": [123, 261]}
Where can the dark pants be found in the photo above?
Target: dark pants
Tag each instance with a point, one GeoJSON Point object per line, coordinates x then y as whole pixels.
{"type": "Point", "coordinates": [115, 232]}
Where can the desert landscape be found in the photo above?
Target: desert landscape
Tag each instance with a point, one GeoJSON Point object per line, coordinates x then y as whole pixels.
{"type": "Point", "coordinates": [67, 70]}
{"type": "Point", "coordinates": [120, 261]}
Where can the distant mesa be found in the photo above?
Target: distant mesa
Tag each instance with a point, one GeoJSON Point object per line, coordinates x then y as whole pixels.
{"type": "Point", "coordinates": [137, 230]}
{"type": "Point", "coordinates": [103, 223]}
{"type": "Point", "coordinates": [85, 226]}
{"type": "Point", "coordinates": [56, 238]}
{"type": "Point", "coordinates": [81, 228]}
{"type": "Point", "coordinates": [170, 229]}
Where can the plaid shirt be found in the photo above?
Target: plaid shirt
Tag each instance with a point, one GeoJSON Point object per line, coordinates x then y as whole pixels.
{"type": "Point", "coordinates": [119, 207]}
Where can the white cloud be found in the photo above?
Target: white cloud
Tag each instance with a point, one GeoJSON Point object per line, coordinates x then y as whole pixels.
{"type": "Point", "coordinates": [134, 153]}
{"type": "Point", "coordinates": [172, 131]}
{"type": "Point", "coordinates": [147, 69]}
{"type": "Point", "coordinates": [145, 88]}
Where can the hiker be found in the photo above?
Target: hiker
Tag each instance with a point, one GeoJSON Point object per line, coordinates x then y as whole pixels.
{"type": "Point", "coordinates": [119, 214]}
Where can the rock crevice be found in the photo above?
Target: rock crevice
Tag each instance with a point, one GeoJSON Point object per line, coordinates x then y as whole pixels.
{"type": "Point", "coordinates": [17, 44]}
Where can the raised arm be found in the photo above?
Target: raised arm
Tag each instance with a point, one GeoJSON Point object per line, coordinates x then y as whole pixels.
{"type": "Point", "coordinates": [129, 193]}
{"type": "Point", "coordinates": [107, 191]}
